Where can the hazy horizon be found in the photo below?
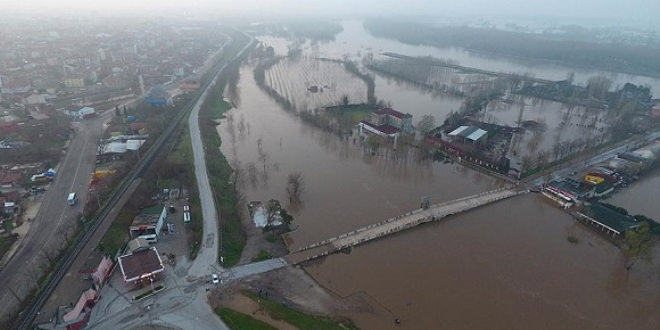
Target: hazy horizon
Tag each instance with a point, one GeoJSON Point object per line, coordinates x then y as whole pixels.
{"type": "Point", "coordinates": [611, 12]}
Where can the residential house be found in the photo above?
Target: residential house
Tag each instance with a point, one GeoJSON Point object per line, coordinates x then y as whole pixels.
{"type": "Point", "coordinates": [10, 180]}
{"type": "Point", "coordinates": [391, 117]}
{"type": "Point", "coordinates": [387, 122]}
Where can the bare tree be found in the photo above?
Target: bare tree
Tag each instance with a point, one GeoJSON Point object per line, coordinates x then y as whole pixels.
{"type": "Point", "coordinates": [252, 173]}
{"type": "Point", "coordinates": [272, 210]}
{"type": "Point", "coordinates": [638, 245]}
{"type": "Point", "coordinates": [295, 187]}
{"type": "Point", "coordinates": [426, 124]}
{"type": "Point", "coordinates": [526, 162]}
{"type": "Point", "coordinates": [263, 155]}
{"type": "Point", "coordinates": [66, 231]}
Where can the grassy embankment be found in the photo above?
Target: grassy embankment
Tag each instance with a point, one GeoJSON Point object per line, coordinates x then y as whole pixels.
{"type": "Point", "coordinates": [219, 172]}
{"type": "Point", "coordinates": [227, 201]}
{"type": "Point", "coordinates": [239, 321]}
{"type": "Point", "coordinates": [276, 311]}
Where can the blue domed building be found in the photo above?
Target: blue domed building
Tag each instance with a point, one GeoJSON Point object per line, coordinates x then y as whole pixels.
{"type": "Point", "coordinates": [158, 96]}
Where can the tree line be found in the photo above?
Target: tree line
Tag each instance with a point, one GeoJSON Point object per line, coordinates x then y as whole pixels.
{"type": "Point", "coordinates": [631, 59]}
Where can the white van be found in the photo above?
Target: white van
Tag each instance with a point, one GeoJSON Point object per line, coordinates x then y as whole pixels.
{"type": "Point", "coordinates": [186, 217]}
{"type": "Point", "coordinates": [71, 200]}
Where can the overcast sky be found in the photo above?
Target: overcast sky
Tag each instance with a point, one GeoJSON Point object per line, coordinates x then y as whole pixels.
{"type": "Point", "coordinates": [629, 10]}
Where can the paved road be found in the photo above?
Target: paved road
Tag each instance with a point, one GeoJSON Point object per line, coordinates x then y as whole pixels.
{"type": "Point", "coordinates": [597, 159]}
{"type": "Point", "coordinates": [207, 259]}
{"type": "Point", "coordinates": [183, 304]}
{"type": "Point", "coordinates": [73, 175]}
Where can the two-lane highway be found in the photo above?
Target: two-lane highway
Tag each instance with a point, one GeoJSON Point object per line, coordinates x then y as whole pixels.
{"type": "Point", "coordinates": [73, 175]}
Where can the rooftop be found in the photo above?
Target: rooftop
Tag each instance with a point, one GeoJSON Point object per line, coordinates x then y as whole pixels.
{"type": "Point", "coordinates": [141, 264]}
{"type": "Point", "coordinates": [148, 215]}
{"type": "Point", "coordinates": [392, 112]}
{"type": "Point", "coordinates": [473, 133]}
{"type": "Point", "coordinates": [385, 129]}
{"type": "Point", "coordinates": [609, 218]}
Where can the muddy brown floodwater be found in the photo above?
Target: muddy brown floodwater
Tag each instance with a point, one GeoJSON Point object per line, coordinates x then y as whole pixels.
{"type": "Point", "coordinates": [640, 197]}
{"type": "Point", "coordinates": [505, 266]}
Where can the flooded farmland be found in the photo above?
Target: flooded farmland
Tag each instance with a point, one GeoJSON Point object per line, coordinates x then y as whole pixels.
{"type": "Point", "coordinates": [310, 83]}
{"type": "Point", "coordinates": [504, 266]}
{"type": "Point", "coordinates": [354, 42]}
{"type": "Point", "coordinates": [559, 122]}
{"type": "Point", "coordinates": [346, 188]}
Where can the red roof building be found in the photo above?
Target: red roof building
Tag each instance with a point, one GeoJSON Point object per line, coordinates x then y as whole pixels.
{"type": "Point", "coordinates": [141, 265]}
{"type": "Point", "coordinates": [391, 117]}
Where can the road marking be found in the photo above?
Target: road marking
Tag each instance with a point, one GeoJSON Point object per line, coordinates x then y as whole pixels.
{"type": "Point", "coordinates": [63, 214]}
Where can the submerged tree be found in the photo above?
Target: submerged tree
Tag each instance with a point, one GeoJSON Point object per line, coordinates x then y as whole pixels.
{"type": "Point", "coordinates": [272, 212]}
{"type": "Point", "coordinates": [638, 245]}
{"type": "Point", "coordinates": [295, 187]}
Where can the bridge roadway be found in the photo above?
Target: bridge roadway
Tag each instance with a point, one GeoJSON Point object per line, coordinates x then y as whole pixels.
{"type": "Point", "coordinates": [399, 223]}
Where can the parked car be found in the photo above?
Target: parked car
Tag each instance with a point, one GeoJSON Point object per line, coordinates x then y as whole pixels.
{"type": "Point", "coordinates": [215, 279]}
{"type": "Point", "coordinates": [37, 189]}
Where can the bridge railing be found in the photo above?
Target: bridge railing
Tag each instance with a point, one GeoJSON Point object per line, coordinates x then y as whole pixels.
{"type": "Point", "coordinates": [326, 241]}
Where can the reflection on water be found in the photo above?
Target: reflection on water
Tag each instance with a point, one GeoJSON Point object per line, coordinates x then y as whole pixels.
{"type": "Point", "coordinates": [505, 266]}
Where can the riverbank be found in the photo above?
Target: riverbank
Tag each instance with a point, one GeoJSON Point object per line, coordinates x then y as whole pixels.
{"type": "Point", "coordinates": [294, 288]}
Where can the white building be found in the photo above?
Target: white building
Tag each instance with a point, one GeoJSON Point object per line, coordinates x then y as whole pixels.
{"type": "Point", "coordinates": [79, 112]}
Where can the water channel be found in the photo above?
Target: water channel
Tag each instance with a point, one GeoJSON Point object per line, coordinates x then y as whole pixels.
{"type": "Point", "coordinates": [505, 266]}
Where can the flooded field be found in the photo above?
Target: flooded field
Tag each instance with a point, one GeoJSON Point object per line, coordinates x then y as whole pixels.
{"type": "Point", "coordinates": [309, 83]}
{"type": "Point", "coordinates": [505, 266]}
{"type": "Point", "coordinates": [345, 187]}
{"type": "Point", "coordinates": [355, 42]}
{"type": "Point", "coordinates": [559, 122]}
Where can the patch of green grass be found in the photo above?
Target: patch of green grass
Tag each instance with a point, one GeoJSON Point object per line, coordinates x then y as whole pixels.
{"type": "Point", "coordinates": [116, 236]}
{"type": "Point", "coordinates": [354, 113]}
{"type": "Point", "coordinates": [149, 293]}
{"type": "Point", "coordinates": [301, 320]}
{"type": "Point", "coordinates": [239, 321]}
{"type": "Point", "coordinates": [263, 255]}
{"type": "Point", "coordinates": [218, 108]}
{"type": "Point", "coordinates": [272, 238]}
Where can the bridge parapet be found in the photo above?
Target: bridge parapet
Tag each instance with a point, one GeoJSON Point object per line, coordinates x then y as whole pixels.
{"type": "Point", "coordinates": [430, 214]}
